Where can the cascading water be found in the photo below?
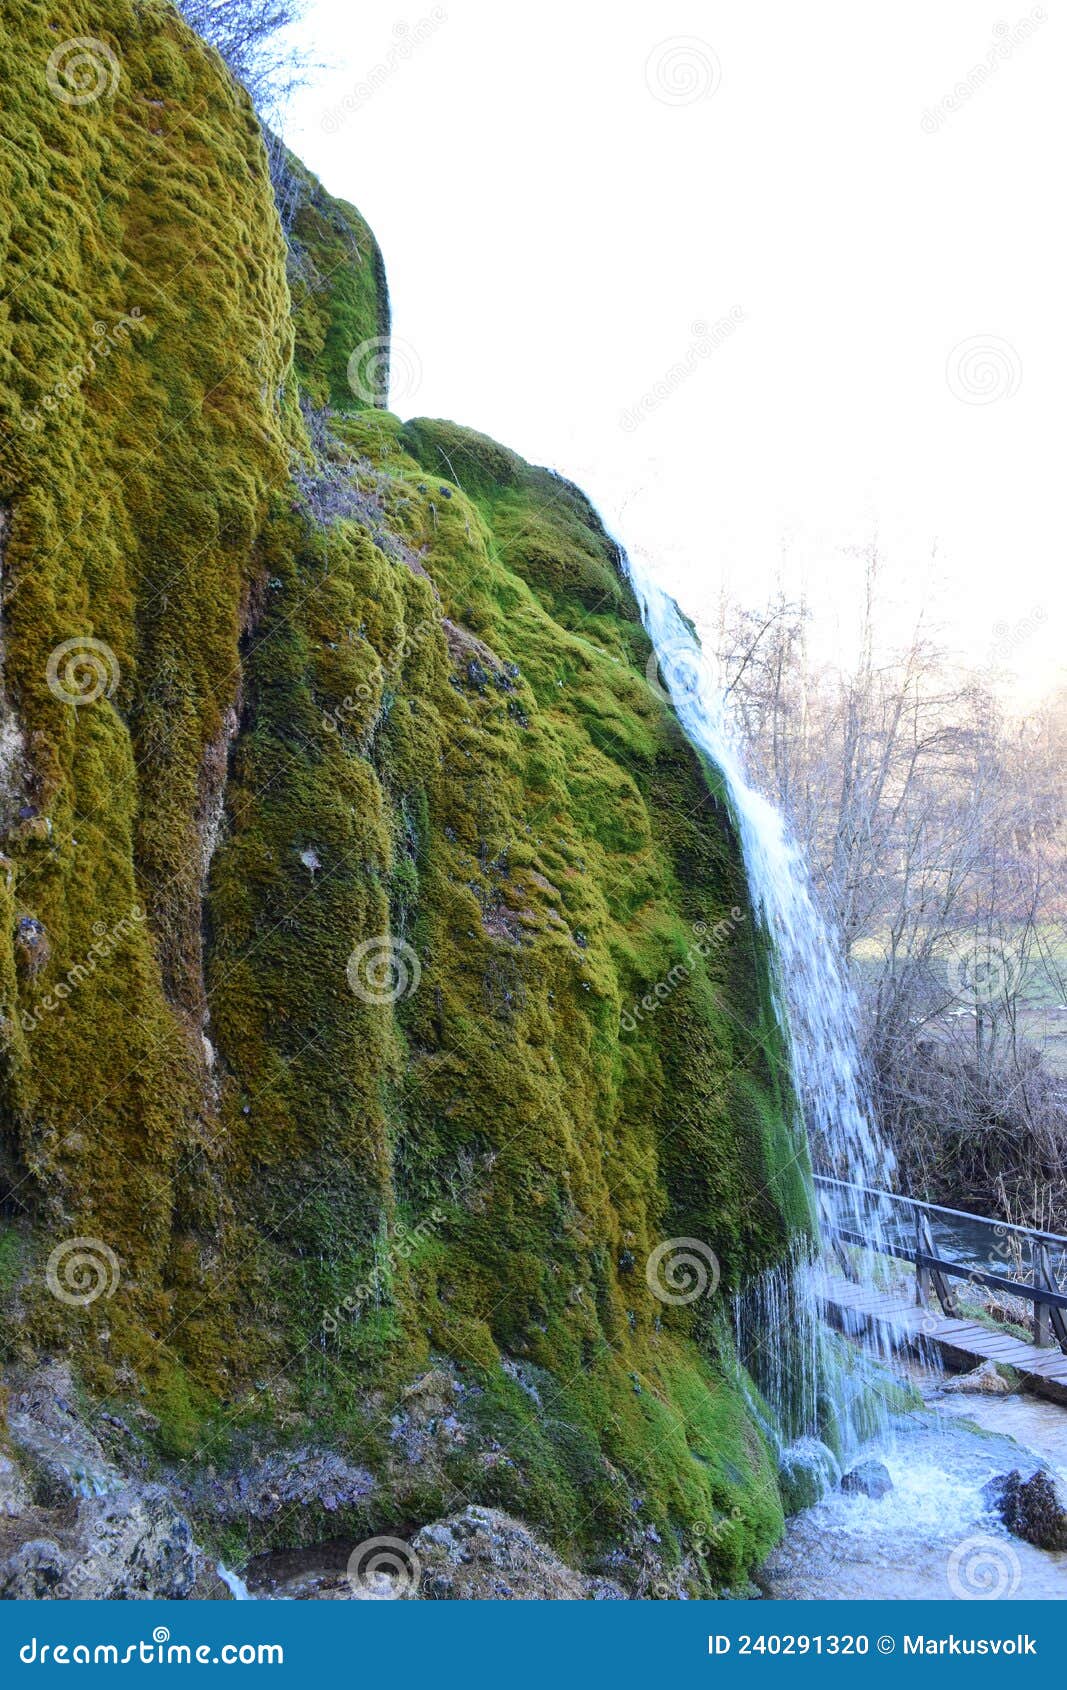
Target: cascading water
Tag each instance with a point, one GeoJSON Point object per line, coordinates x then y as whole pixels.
{"type": "Point", "coordinates": [782, 1337]}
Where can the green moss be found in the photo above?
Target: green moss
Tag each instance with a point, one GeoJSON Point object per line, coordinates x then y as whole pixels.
{"type": "Point", "coordinates": [400, 702]}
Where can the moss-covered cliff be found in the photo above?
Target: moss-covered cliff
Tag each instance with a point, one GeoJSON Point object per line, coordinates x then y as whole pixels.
{"type": "Point", "coordinates": [346, 845]}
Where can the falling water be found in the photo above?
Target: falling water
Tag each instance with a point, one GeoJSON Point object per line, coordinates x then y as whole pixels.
{"type": "Point", "coordinates": [811, 1399]}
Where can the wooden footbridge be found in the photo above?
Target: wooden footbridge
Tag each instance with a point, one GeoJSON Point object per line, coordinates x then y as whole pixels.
{"type": "Point", "coordinates": [926, 1314]}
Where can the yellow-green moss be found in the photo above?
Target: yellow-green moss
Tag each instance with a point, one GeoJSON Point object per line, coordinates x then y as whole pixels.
{"type": "Point", "coordinates": [404, 695]}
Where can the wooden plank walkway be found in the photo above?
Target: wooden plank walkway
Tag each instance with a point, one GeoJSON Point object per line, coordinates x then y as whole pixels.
{"type": "Point", "coordinates": [961, 1343]}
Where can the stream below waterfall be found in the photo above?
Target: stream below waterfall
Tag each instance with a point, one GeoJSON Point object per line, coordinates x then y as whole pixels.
{"type": "Point", "coordinates": [931, 1537]}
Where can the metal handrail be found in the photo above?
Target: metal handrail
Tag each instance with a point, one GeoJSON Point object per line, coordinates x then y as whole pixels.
{"type": "Point", "coordinates": [940, 1209]}
{"type": "Point", "coordinates": [934, 1271]}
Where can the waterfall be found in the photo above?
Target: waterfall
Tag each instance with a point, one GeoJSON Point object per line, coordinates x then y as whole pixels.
{"type": "Point", "coordinates": [782, 1337]}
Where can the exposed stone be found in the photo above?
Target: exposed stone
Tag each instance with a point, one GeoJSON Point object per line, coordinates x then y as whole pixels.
{"type": "Point", "coordinates": [986, 1379]}
{"type": "Point", "coordinates": [305, 1485]}
{"type": "Point", "coordinates": [485, 1555]}
{"type": "Point", "coordinates": [1032, 1508]}
{"type": "Point", "coordinates": [868, 1478]}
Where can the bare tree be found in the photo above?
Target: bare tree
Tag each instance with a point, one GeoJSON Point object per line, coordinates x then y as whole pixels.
{"type": "Point", "coordinates": [934, 827]}
{"type": "Point", "coordinates": [251, 36]}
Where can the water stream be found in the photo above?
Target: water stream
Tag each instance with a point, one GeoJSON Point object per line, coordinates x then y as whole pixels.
{"type": "Point", "coordinates": [781, 1333]}
{"type": "Point", "coordinates": [932, 1534]}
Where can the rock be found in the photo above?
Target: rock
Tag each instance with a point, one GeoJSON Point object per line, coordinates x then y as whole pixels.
{"type": "Point", "coordinates": [305, 1485]}
{"type": "Point", "coordinates": [868, 1478]}
{"type": "Point", "coordinates": [68, 1459]}
{"type": "Point", "coordinates": [1032, 1508]}
{"type": "Point", "coordinates": [807, 1471]}
{"type": "Point", "coordinates": [426, 1426]}
{"type": "Point", "coordinates": [75, 1527]}
{"type": "Point", "coordinates": [14, 1491]}
{"type": "Point", "coordinates": [985, 1379]}
{"type": "Point", "coordinates": [133, 1545]}
{"type": "Point", "coordinates": [486, 1555]}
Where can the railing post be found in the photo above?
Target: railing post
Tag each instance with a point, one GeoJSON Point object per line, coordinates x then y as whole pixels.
{"type": "Point", "coordinates": [922, 1276]}
{"type": "Point", "coordinates": [1042, 1323]}
{"type": "Point", "coordinates": [1053, 1317]}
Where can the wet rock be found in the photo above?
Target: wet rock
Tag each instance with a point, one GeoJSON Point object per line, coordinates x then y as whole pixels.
{"type": "Point", "coordinates": [985, 1379]}
{"type": "Point", "coordinates": [46, 1428]}
{"type": "Point", "coordinates": [133, 1545]}
{"type": "Point", "coordinates": [485, 1555]}
{"type": "Point", "coordinates": [868, 1478]}
{"type": "Point", "coordinates": [306, 1486]}
{"type": "Point", "coordinates": [1031, 1508]}
{"type": "Point", "coordinates": [14, 1491]}
{"type": "Point", "coordinates": [808, 1470]}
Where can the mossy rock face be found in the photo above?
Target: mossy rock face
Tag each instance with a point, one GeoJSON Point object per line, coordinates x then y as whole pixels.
{"type": "Point", "coordinates": [378, 975]}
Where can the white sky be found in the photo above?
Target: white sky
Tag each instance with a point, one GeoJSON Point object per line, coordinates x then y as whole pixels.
{"type": "Point", "coordinates": [553, 227]}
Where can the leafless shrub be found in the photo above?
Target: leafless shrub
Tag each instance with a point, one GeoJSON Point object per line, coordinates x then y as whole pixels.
{"type": "Point", "coordinates": [251, 35]}
{"type": "Point", "coordinates": [935, 826]}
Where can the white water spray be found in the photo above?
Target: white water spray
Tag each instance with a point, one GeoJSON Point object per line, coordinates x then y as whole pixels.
{"type": "Point", "coordinates": [817, 1012]}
